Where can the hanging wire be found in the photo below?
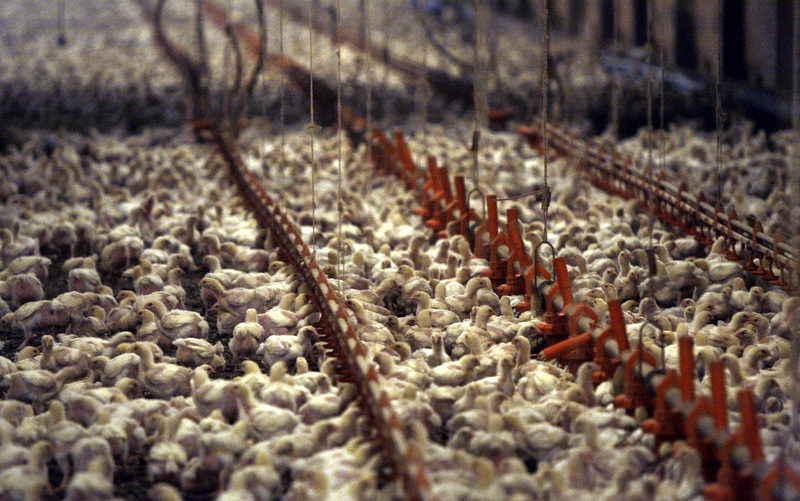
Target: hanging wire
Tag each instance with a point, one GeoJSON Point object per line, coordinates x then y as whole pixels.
{"type": "Point", "coordinates": [224, 95]}
{"type": "Point", "coordinates": [312, 127]}
{"type": "Point", "coordinates": [718, 106]}
{"type": "Point", "coordinates": [282, 93]}
{"type": "Point", "coordinates": [545, 89]}
{"type": "Point", "coordinates": [661, 119]}
{"type": "Point", "coordinates": [263, 47]}
{"type": "Point", "coordinates": [615, 75]}
{"type": "Point", "coordinates": [61, 23]}
{"type": "Point", "coordinates": [385, 22]}
{"type": "Point", "coordinates": [649, 167]}
{"type": "Point", "coordinates": [245, 98]}
{"type": "Point", "coordinates": [202, 57]}
{"type": "Point", "coordinates": [795, 350]}
{"type": "Point", "coordinates": [650, 145]}
{"type": "Point", "coordinates": [423, 87]}
{"type": "Point", "coordinates": [476, 100]}
{"type": "Point", "coordinates": [534, 193]}
{"type": "Point", "coordinates": [339, 207]}
{"type": "Point", "coordinates": [481, 63]}
{"type": "Point", "coordinates": [795, 150]}
{"type": "Point", "coordinates": [368, 44]}
{"type": "Point", "coordinates": [479, 100]}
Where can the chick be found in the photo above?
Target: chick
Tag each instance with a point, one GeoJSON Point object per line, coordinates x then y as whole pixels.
{"type": "Point", "coordinates": [93, 482]}
{"type": "Point", "coordinates": [54, 359]}
{"type": "Point", "coordinates": [166, 459]}
{"type": "Point", "coordinates": [287, 348]}
{"type": "Point", "coordinates": [193, 352]}
{"type": "Point", "coordinates": [246, 337]}
{"type": "Point", "coordinates": [11, 454]}
{"type": "Point", "coordinates": [266, 420]}
{"type": "Point", "coordinates": [213, 395]}
{"type": "Point", "coordinates": [38, 386]}
{"type": "Point", "coordinates": [177, 324]}
{"type": "Point", "coordinates": [37, 265]}
{"type": "Point", "coordinates": [163, 380]}
{"type": "Point", "coordinates": [109, 371]}
{"type": "Point", "coordinates": [84, 279]}
{"type": "Point", "coordinates": [29, 317]}
{"type": "Point", "coordinates": [28, 481]}
{"type": "Point", "coordinates": [25, 288]}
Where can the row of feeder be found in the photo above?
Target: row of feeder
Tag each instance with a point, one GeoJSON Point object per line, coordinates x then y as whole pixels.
{"type": "Point", "coordinates": [733, 460]}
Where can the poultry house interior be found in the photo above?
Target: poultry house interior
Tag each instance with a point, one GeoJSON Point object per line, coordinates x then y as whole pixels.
{"type": "Point", "coordinates": [400, 249]}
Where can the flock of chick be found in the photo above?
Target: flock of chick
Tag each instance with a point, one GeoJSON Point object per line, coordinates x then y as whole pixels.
{"type": "Point", "coordinates": [148, 325]}
{"type": "Point", "coordinates": [132, 362]}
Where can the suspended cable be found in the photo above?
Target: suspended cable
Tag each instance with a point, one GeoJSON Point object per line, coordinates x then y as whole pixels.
{"type": "Point", "coordinates": [481, 64]}
{"type": "Point", "coordinates": [339, 207]}
{"type": "Point", "coordinates": [262, 55]}
{"type": "Point", "coordinates": [649, 77]}
{"type": "Point", "coordinates": [224, 95]}
{"type": "Point", "coordinates": [545, 89]}
{"type": "Point", "coordinates": [61, 23]}
{"type": "Point", "coordinates": [661, 120]}
{"type": "Point", "coordinates": [535, 193]}
{"type": "Point", "coordinates": [795, 160]}
{"type": "Point", "coordinates": [795, 167]}
{"type": "Point", "coordinates": [368, 44]}
{"type": "Point", "coordinates": [312, 126]}
{"type": "Point", "coordinates": [385, 21]}
{"type": "Point", "coordinates": [282, 92]}
{"type": "Point", "coordinates": [478, 97]}
{"type": "Point", "coordinates": [202, 63]}
{"type": "Point", "coordinates": [615, 75]}
{"type": "Point", "coordinates": [661, 69]}
{"type": "Point", "coordinates": [718, 106]}
{"type": "Point", "coordinates": [423, 87]}
{"type": "Point", "coordinates": [650, 145]}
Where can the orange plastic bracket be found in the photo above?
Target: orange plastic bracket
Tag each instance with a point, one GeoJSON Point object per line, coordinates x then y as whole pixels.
{"type": "Point", "coordinates": [753, 254]}
{"type": "Point", "coordinates": [561, 348]}
{"type": "Point", "coordinates": [461, 205]}
{"type": "Point", "coordinates": [618, 325]}
{"type": "Point", "coordinates": [575, 313]}
{"type": "Point", "coordinates": [718, 394]}
{"type": "Point", "coordinates": [686, 361]}
{"type": "Point", "coordinates": [731, 254]}
{"type": "Point", "coordinates": [705, 446]}
{"type": "Point", "coordinates": [665, 424]}
{"type": "Point", "coordinates": [635, 392]}
{"type": "Point", "coordinates": [780, 472]}
{"type": "Point", "coordinates": [703, 232]}
{"type": "Point", "coordinates": [517, 259]}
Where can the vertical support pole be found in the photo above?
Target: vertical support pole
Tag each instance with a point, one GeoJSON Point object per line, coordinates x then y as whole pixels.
{"type": "Point", "coordinates": [750, 425]}
{"type": "Point", "coordinates": [491, 207]}
{"type": "Point", "coordinates": [461, 198]}
{"type": "Point", "coordinates": [560, 267]}
{"type": "Point", "coordinates": [618, 325]}
{"type": "Point", "coordinates": [686, 360]}
{"type": "Point", "coordinates": [718, 395]}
